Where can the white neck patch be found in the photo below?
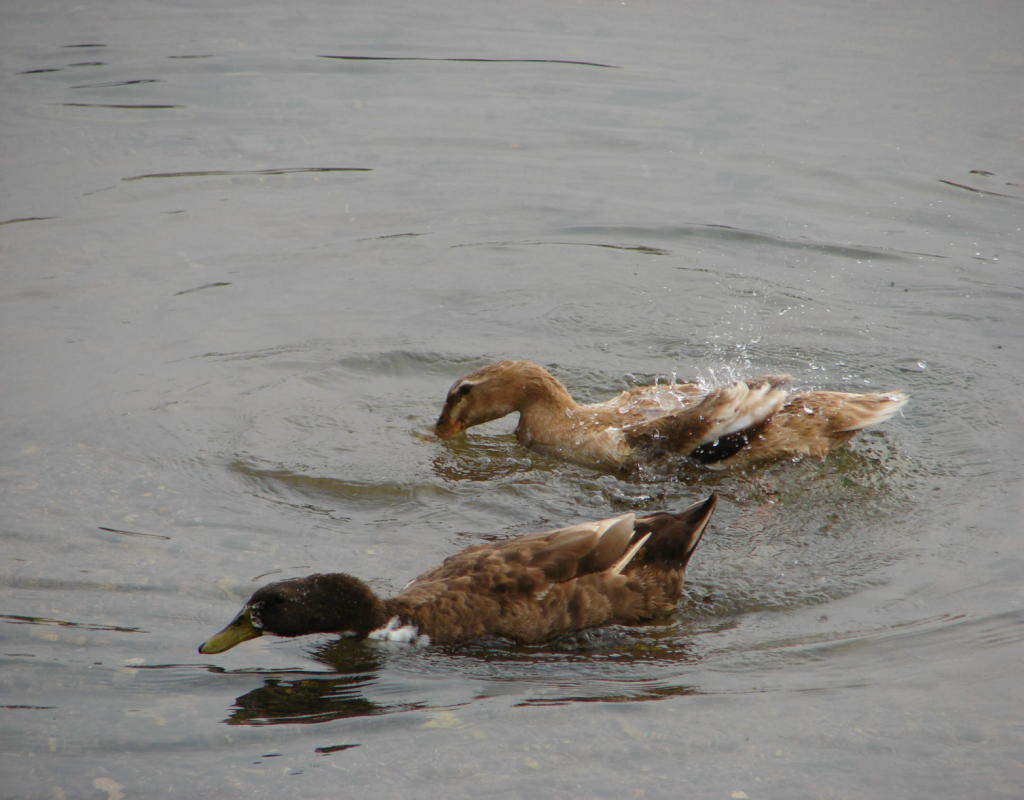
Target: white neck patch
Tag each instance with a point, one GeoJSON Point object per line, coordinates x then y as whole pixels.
{"type": "Point", "coordinates": [396, 631]}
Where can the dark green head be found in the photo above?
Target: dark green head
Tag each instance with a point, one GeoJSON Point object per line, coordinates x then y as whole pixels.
{"type": "Point", "coordinates": [331, 603]}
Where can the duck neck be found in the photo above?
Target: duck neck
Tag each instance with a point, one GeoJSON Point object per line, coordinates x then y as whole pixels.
{"type": "Point", "coordinates": [353, 606]}
{"type": "Point", "coordinates": [379, 615]}
{"type": "Point", "coordinates": [545, 405]}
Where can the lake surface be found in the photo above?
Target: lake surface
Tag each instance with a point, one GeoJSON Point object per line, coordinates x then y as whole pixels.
{"type": "Point", "coordinates": [248, 247]}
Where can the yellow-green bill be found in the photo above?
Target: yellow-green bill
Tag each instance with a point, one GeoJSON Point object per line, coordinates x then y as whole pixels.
{"type": "Point", "coordinates": [239, 630]}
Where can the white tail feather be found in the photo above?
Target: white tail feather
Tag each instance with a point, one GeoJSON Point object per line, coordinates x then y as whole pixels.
{"type": "Point", "coordinates": [620, 565]}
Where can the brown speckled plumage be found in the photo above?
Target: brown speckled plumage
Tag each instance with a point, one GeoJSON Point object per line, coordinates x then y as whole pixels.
{"type": "Point", "coordinates": [732, 425]}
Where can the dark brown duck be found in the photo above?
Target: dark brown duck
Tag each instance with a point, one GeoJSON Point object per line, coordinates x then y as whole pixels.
{"type": "Point", "coordinates": [622, 570]}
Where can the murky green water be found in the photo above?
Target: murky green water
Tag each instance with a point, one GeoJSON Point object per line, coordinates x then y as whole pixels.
{"type": "Point", "coordinates": [247, 249]}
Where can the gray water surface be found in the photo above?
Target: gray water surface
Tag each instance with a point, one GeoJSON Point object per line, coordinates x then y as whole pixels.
{"type": "Point", "coordinates": [247, 248]}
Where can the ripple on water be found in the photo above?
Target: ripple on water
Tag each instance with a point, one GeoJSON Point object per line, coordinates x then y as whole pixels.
{"type": "Point", "coordinates": [323, 494]}
{"type": "Point", "coordinates": [852, 657]}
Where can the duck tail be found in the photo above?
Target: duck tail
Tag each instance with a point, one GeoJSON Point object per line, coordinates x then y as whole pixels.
{"type": "Point", "coordinates": [864, 410]}
{"type": "Point", "coordinates": [674, 536]}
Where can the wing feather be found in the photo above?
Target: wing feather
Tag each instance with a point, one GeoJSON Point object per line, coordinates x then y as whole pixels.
{"type": "Point", "coordinates": [526, 563]}
{"type": "Point", "coordinates": [723, 411]}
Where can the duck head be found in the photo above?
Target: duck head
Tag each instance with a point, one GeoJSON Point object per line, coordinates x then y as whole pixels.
{"type": "Point", "coordinates": [481, 396]}
{"type": "Point", "coordinates": [331, 603]}
{"type": "Point", "coordinates": [495, 391]}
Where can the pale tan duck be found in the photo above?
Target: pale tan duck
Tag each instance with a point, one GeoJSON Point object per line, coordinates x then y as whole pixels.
{"type": "Point", "coordinates": [728, 426]}
{"type": "Point", "coordinates": [623, 570]}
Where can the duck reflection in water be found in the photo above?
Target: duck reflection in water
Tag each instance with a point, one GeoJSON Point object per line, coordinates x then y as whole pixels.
{"type": "Point", "coordinates": [315, 697]}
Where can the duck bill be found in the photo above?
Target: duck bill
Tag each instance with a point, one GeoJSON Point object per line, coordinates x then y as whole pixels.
{"type": "Point", "coordinates": [239, 630]}
{"type": "Point", "coordinates": [445, 429]}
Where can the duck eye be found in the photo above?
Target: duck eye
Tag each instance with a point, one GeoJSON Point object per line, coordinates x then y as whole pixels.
{"type": "Point", "coordinates": [465, 389]}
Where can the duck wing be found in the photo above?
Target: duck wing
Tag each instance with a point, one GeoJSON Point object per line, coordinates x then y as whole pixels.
{"type": "Point", "coordinates": [528, 563]}
{"type": "Point", "coordinates": [538, 586]}
{"type": "Point", "coordinates": [725, 410]}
